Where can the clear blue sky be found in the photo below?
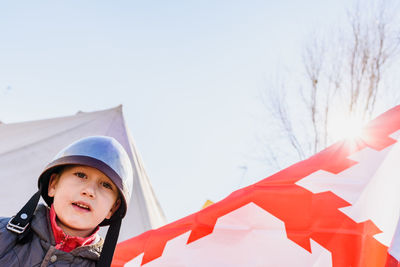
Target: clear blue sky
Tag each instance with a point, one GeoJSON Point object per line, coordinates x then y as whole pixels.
{"type": "Point", "coordinates": [188, 73]}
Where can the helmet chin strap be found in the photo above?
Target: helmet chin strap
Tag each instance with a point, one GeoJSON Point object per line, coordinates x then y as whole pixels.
{"type": "Point", "coordinates": [110, 242]}
{"type": "Point", "coordinates": [20, 223]}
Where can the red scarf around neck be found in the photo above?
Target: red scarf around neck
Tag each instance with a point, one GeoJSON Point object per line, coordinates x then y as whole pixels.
{"type": "Point", "coordinates": [66, 242]}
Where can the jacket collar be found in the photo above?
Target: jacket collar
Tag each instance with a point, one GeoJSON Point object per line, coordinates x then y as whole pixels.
{"type": "Point", "coordinates": [41, 225]}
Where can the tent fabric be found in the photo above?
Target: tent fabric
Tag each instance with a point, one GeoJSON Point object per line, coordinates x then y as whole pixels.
{"type": "Point", "coordinates": [338, 208]}
{"type": "Point", "coordinates": [27, 147]}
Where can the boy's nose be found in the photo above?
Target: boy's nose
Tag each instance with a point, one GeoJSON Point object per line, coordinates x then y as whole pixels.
{"type": "Point", "coordinates": [89, 191]}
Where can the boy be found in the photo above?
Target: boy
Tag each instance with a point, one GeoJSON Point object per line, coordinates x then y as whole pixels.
{"type": "Point", "coordinates": [87, 185]}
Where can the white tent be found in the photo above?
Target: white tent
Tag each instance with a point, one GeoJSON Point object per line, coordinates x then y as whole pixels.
{"type": "Point", "coordinates": [26, 148]}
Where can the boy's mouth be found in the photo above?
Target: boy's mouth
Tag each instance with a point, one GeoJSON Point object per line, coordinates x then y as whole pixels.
{"type": "Point", "coordinates": [82, 206]}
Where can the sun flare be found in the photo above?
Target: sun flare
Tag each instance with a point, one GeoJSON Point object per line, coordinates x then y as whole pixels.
{"type": "Point", "coordinates": [343, 126]}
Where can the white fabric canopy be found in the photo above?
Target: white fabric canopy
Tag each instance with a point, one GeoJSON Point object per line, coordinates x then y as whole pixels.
{"type": "Point", "coordinates": [27, 147]}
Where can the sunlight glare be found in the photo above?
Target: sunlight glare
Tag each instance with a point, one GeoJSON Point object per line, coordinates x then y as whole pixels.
{"type": "Point", "coordinates": [346, 127]}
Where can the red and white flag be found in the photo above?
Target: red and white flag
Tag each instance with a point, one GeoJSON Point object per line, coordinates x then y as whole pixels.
{"type": "Point", "coordinates": [338, 208]}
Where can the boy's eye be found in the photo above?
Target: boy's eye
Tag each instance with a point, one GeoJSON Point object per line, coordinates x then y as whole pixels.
{"type": "Point", "coordinates": [107, 185]}
{"type": "Point", "coordinates": [80, 174]}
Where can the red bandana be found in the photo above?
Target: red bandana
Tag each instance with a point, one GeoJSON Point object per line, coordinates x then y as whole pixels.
{"type": "Point", "coordinates": [66, 242]}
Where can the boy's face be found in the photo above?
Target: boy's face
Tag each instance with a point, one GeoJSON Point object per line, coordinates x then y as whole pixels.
{"type": "Point", "coordinates": [83, 198]}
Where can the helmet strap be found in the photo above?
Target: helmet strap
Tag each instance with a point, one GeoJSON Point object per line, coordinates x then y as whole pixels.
{"type": "Point", "coordinates": [109, 244]}
{"type": "Point", "coordinates": [20, 223]}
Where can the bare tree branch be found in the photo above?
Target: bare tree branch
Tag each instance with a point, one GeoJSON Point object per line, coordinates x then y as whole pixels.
{"type": "Point", "coordinates": [343, 73]}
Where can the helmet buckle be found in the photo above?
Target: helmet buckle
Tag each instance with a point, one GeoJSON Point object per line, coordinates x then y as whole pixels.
{"type": "Point", "coordinates": [18, 228]}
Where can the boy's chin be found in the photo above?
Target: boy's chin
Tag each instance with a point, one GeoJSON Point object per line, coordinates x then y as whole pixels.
{"type": "Point", "coordinates": [79, 231]}
{"type": "Point", "coordinates": [77, 228]}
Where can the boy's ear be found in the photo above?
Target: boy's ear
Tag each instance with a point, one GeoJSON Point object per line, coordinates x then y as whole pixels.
{"type": "Point", "coordinates": [114, 208]}
{"type": "Point", "coordinates": [52, 184]}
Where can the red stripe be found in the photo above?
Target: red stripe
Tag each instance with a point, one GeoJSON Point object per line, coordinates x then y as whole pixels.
{"type": "Point", "coordinates": [392, 262]}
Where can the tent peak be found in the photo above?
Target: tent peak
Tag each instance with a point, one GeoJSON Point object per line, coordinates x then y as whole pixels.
{"type": "Point", "coordinates": [119, 108]}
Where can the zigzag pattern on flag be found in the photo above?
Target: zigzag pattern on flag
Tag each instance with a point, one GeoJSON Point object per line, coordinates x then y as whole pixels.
{"type": "Point", "coordinates": [306, 215]}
